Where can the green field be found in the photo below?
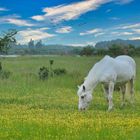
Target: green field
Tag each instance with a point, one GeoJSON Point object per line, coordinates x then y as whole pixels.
{"type": "Point", "coordinates": [31, 109]}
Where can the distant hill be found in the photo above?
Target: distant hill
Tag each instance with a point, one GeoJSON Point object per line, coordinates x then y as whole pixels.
{"type": "Point", "coordinates": [106, 44]}
{"type": "Point", "coordinates": [45, 49]}
{"type": "Point", "coordinates": [66, 49]}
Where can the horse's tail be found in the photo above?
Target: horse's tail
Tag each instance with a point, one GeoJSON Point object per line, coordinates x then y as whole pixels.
{"type": "Point", "coordinates": [128, 90]}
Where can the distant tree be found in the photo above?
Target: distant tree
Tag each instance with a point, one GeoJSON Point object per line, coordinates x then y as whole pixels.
{"type": "Point", "coordinates": [31, 44]}
{"type": "Point", "coordinates": [137, 51]}
{"type": "Point", "coordinates": [87, 51]}
{"type": "Point", "coordinates": [39, 44]}
{"type": "Point", "coordinates": [7, 40]}
{"type": "Point", "coordinates": [76, 51]}
{"type": "Point", "coordinates": [101, 51]}
{"type": "Point", "coordinates": [115, 50]}
{"type": "Point", "coordinates": [131, 50]}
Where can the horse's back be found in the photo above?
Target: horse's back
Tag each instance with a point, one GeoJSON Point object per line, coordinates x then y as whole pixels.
{"type": "Point", "coordinates": [126, 67]}
{"type": "Point", "coordinates": [121, 68]}
{"type": "Point", "coordinates": [127, 60]}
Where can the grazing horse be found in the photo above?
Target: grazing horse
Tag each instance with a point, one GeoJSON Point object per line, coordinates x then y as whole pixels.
{"type": "Point", "coordinates": [108, 71]}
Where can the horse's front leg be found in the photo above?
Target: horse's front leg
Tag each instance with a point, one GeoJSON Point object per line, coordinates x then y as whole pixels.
{"type": "Point", "coordinates": [106, 91]}
{"type": "Point", "coordinates": [110, 95]}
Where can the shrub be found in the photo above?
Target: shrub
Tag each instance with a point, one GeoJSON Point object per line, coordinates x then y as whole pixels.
{"type": "Point", "coordinates": [59, 71]}
{"type": "Point", "coordinates": [43, 73]}
{"type": "Point", "coordinates": [4, 74]}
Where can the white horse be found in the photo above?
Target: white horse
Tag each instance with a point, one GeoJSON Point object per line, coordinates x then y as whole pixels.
{"type": "Point", "coordinates": [108, 71]}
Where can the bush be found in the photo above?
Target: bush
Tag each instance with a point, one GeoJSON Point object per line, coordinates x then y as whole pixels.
{"type": "Point", "coordinates": [87, 51]}
{"type": "Point", "coordinates": [4, 74]}
{"type": "Point", "coordinates": [43, 73]}
{"type": "Point", "coordinates": [59, 71]}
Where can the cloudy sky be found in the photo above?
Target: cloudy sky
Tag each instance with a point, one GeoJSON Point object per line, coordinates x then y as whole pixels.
{"type": "Point", "coordinates": [76, 22]}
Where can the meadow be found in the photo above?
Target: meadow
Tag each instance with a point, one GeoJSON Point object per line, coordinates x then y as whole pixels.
{"type": "Point", "coordinates": [32, 109]}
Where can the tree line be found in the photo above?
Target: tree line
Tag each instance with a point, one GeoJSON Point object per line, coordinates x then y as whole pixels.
{"type": "Point", "coordinates": [113, 50]}
{"type": "Point", "coordinates": [8, 41]}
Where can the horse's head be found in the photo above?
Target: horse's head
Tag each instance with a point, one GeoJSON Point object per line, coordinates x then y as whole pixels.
{"type": "Point", "coordinates": [85, 97]}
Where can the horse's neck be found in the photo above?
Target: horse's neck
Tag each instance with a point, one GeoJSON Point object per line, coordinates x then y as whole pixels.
{"type": "Point", "coordinates": [92, 79]}
{"type": "Point", "coordinates": [90, 84]}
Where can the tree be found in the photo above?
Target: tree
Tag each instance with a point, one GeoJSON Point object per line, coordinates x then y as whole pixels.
{"type": "Point", "coordinates": [101, 51]}
{"type": "Point", "coordinates": [39, 44]}
{"type": "Point", "coordinates": [7, 41]}
{"type": "Point", "coordinates": [115, 50]}
{"type": "Point", "coordinates": [131, 50]}
{"type": "Point", "coordinates": [31, 44]}
{"type": "Point", "coordinates": [87, 51]}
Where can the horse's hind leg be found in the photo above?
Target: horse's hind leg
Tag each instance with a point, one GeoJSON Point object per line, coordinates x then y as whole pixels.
{"type": "Point", "coordinates": [110, 96]}
{"type": "Point", "coordinates": [122, 88]}
{"type": "Point", "coordinates": [132, 91]}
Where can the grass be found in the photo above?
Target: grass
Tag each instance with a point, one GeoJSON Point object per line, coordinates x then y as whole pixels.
{"type": "Point", "coordinates": [31, 109]}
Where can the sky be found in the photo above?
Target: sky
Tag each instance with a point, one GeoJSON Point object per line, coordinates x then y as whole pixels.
{"type": "Point", "coordinates": [71, 22]}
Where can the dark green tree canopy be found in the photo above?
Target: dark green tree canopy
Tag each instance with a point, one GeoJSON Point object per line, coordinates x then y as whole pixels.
{"type": "Point", "coordinates": [31, 44]}
{"type": "Point", "coordinates": [7, 40]}
{"type": "Point", "coordinates": [87, 51]}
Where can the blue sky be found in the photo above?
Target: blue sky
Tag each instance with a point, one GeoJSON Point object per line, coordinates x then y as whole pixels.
{"type": "Point", "coordinates": [73, 22]}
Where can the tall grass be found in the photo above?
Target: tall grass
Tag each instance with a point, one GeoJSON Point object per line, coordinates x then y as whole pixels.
{"type": "Point", "coordinates": [32, 109]}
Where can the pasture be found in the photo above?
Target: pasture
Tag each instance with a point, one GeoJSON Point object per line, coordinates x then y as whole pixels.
{"type": "Point", "coordinates": [31, 109]}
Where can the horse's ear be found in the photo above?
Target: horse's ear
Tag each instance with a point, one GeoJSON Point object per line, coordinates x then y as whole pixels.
{"type": "Point", "coordinates": [78, 86]}
{"type": "Point", "coordinates": [84, 88]}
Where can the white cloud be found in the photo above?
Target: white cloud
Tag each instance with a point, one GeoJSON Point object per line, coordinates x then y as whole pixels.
{"type": "Point", "coordinates": [108, 10]}
{"type": "Point", "coordinates": [69, 12]}
{"type": "Point", "coordinates": [74, 10]}
{"type": "Point", "coordinates": [16, 20]}
{"type": "Point", "coordinates": [115, 18]}
{"type": "Point", "coordinates": [38, 17]}
{"type": "Point", "coordinates": [24, 36]}
{"type": "Point", "coordinates": [44, 28]}
{"type": "Point", "coordinates": [121, 33]}
{"type": "Point", "coordinates": [134, 38]}
{"type": "Point", "coordinates": [83, 44]}
{"type": "Point", "coordinates": [123, 1]}
{"type": "Point", "coordinates": [94, 31]}
{"type": "Point", "coordinates": [99, 34]}
{"type": "Point", "coordinates": [3, 9]}
{"type": "Point", "coordinates": [136, 31]}
{"type": "Point", "coordinates": [65, 29]}
{"type": "Point", "coordinates": [19, 22]}
{"type": "Point", "coordinates": [126, 33]}
{"type": "Point", "coordinates": [77, 45]}
{"type": "Point", "coordinates": [130, 26]}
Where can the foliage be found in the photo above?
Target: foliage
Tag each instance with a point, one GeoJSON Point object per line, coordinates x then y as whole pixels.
{"type": "Point", "coordinates": [0, 66]}
{"type": "Point", "coordinates": [4, 74]}
{"type": "Point", "coordinates": [43, 73]}
{"type": "Point", "coordinates": [7, 40]}
{"type": "Point", "coordinates": [51, 62]}
{"type": "Point", "coordinates": [59, 71]}
{"type": "Point", "coordinates": [34, 110]}
{"type": "Point", "coordinates": [115, 50]}
{"type": "Point", "coordinates": [31, 44]}
{"type": "Point", "coordinates": [87, 51]}
{"type": "Point", "coordinates": [39, 44]}
{"type": "Point", "coordinates": [101, 51]}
